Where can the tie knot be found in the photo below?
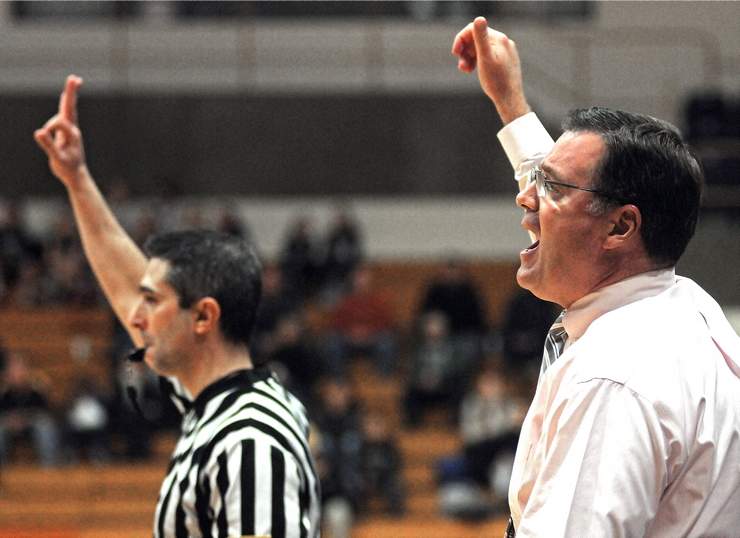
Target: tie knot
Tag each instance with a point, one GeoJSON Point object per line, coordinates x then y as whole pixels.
{"type": "Point", "coordinates": [558, 332]}
{"type": "Point", "coordinates": [557, 325]}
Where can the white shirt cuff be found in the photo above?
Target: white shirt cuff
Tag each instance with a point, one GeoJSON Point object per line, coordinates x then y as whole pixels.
{"type": "Point", "coordinates": [524, 138]}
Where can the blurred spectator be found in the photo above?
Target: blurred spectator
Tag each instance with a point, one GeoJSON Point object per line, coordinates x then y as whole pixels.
{"type": "Point", "coordinates": [707, 116]}
{"type": "Point", "coordinates": [25, 413]}
{"type": "Point", "coordinates": [526, 322]}
{"type": "Point", "coordinates": [117, 191]}
{"type": "Point", "coordinates": [17, 246]}
{"type": "Point", "coordinates": [66, 276]}
{"type": "Point", "coordinates": [63, 235]}
{"type": "Point", "coordinates": [230, 223]}
{"type": "Point", "coordinates": [339, 456]}
{"type": "Point", "coordinates": [295, 359]}
{"type": "Point", "coordinates": [88, 421]}
{"type": "Point", "coordinates": [382, 465]}
{"type": "Point", "coordinates": [276, 303]}
{"type": "Point", "coordinates": [363, 323]}
{"type": "Point", "coordinates": [298, 258]}
{"type": "Point", "coordinates": [4, 294]}
{"type": "Point", "coordinates": [454, 293]}
{"type": "Point", "coordinates": [68, 279]}
{"type": "Point", "coordinates": [491, 417]}
{"type": "Point", "coordinates": [343, 254]}
{"type": "Point", "coordinates": [30, 286]}
{"type": "Point", "coordinates": [193, 218]}
{"type": "Point", "coordinates": [145, 226]}
{"type": "Point", "coordinates": [435, 379]}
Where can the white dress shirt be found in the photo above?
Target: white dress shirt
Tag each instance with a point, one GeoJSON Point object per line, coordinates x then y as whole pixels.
{"type": "Point", "coordinates": [635, 430]}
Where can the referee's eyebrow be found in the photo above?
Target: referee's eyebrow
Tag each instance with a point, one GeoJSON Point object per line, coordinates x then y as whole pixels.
{"type": "Point", "coordinates": [143, 288]}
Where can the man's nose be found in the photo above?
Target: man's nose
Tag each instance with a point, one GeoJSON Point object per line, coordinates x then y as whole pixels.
{"type": "Point", "coordinates": [527, 198]}
{"type": "Point", "coordinates": [137, 319]}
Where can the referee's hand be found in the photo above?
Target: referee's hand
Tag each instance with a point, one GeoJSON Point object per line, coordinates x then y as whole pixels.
{"type": "Point", "coordinates": [61, 138]}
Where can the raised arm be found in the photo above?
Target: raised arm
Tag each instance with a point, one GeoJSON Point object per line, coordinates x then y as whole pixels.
{"type": "Point", "coordinates": [495, 58]}
{"type": "Point", "coordinates": [497, 62]}
{"type": "Point", "coordinates": [115, 259]}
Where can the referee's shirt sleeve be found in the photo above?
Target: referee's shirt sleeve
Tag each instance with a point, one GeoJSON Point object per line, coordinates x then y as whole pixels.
{"type": "Point", "coordinates": [252, 488]}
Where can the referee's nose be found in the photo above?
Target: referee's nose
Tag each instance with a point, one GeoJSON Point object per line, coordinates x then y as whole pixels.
{"type": "Point", "coordinates": [137, 319]}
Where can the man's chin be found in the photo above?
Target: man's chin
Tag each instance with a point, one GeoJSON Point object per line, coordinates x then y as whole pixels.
{"type": "Point", "coordinates": [525, 278]}
{"type": "Point", "coordinates": [151, 360]}
{"type": "Point", "coordinates": [159, 366]}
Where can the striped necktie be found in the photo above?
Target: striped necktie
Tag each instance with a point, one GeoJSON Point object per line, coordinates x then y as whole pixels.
{"type": "Point", "coordinates": [554, 343]}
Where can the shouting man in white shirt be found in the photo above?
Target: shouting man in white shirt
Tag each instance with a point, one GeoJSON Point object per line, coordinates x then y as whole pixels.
{"type": "Point", "coordinates": [635, 426]}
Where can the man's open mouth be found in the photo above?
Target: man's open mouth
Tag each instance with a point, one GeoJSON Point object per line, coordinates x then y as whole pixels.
{"type": "Point", "coordinates": [532, 246]}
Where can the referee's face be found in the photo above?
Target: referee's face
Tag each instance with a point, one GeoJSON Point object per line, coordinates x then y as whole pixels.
{"type": "Point", "coordinates": [166, 328]}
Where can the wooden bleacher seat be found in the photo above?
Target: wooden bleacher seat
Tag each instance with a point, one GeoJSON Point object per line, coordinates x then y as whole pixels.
{"type": "Point", "coordinates": [60, 345]}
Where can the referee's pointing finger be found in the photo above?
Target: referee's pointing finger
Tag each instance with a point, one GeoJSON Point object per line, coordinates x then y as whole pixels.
{"type": "Point", "coordinates": [68, 99]}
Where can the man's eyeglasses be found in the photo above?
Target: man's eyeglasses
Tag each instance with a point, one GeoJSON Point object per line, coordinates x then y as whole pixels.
{"type": "Point", "coordinates": [545, 186]}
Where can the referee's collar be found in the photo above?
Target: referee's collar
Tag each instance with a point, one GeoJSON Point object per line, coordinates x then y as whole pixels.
{"type": "Point", "coordinates": [240, 378]}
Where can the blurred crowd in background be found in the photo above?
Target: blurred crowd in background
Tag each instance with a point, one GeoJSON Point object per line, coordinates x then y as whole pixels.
{"type": "Point", "coordinates": [323, 306]}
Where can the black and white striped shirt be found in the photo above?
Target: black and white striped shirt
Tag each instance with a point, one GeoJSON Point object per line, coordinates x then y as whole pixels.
{"type": "Point", "coordinates": [242, 465]}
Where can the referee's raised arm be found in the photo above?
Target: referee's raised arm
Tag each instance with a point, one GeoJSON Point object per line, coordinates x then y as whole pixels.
{"type": "Point", "coordinates": [115, 259]}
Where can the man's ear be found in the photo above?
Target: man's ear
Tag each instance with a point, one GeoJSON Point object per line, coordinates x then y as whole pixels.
{"type": "Point", "coordinates": [206, 314]}
{"type": "Point", "coordinates": [625, 223]}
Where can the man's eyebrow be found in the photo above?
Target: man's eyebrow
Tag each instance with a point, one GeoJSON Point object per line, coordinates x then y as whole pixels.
{"type": "Point", "coordinates": [549, 171]}
{"type": "Point", "coordinates": [143, 288]}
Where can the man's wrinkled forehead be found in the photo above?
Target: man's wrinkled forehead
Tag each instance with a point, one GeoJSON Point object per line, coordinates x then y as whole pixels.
{"type": "Point", "coordinates": [575, 156]}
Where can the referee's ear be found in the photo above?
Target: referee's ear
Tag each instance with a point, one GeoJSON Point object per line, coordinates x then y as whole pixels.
{"type": "Point", "coordinates": [206, 313]}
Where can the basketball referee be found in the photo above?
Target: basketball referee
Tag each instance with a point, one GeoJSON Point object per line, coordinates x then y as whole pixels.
{"type": "Point", "coordinates": [242, 466]}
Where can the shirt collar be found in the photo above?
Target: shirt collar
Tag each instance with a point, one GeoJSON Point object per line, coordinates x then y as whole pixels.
{"type": "Point", "coordinates": [589, 307]}
{"type": "Point", "coordinates": [240, 378]}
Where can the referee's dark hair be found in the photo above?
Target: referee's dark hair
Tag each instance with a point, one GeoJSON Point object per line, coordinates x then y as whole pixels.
{"type": "Point", "coordinates": [646, 163]}
{"type": "Point", "coordinates": [205, 263]}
